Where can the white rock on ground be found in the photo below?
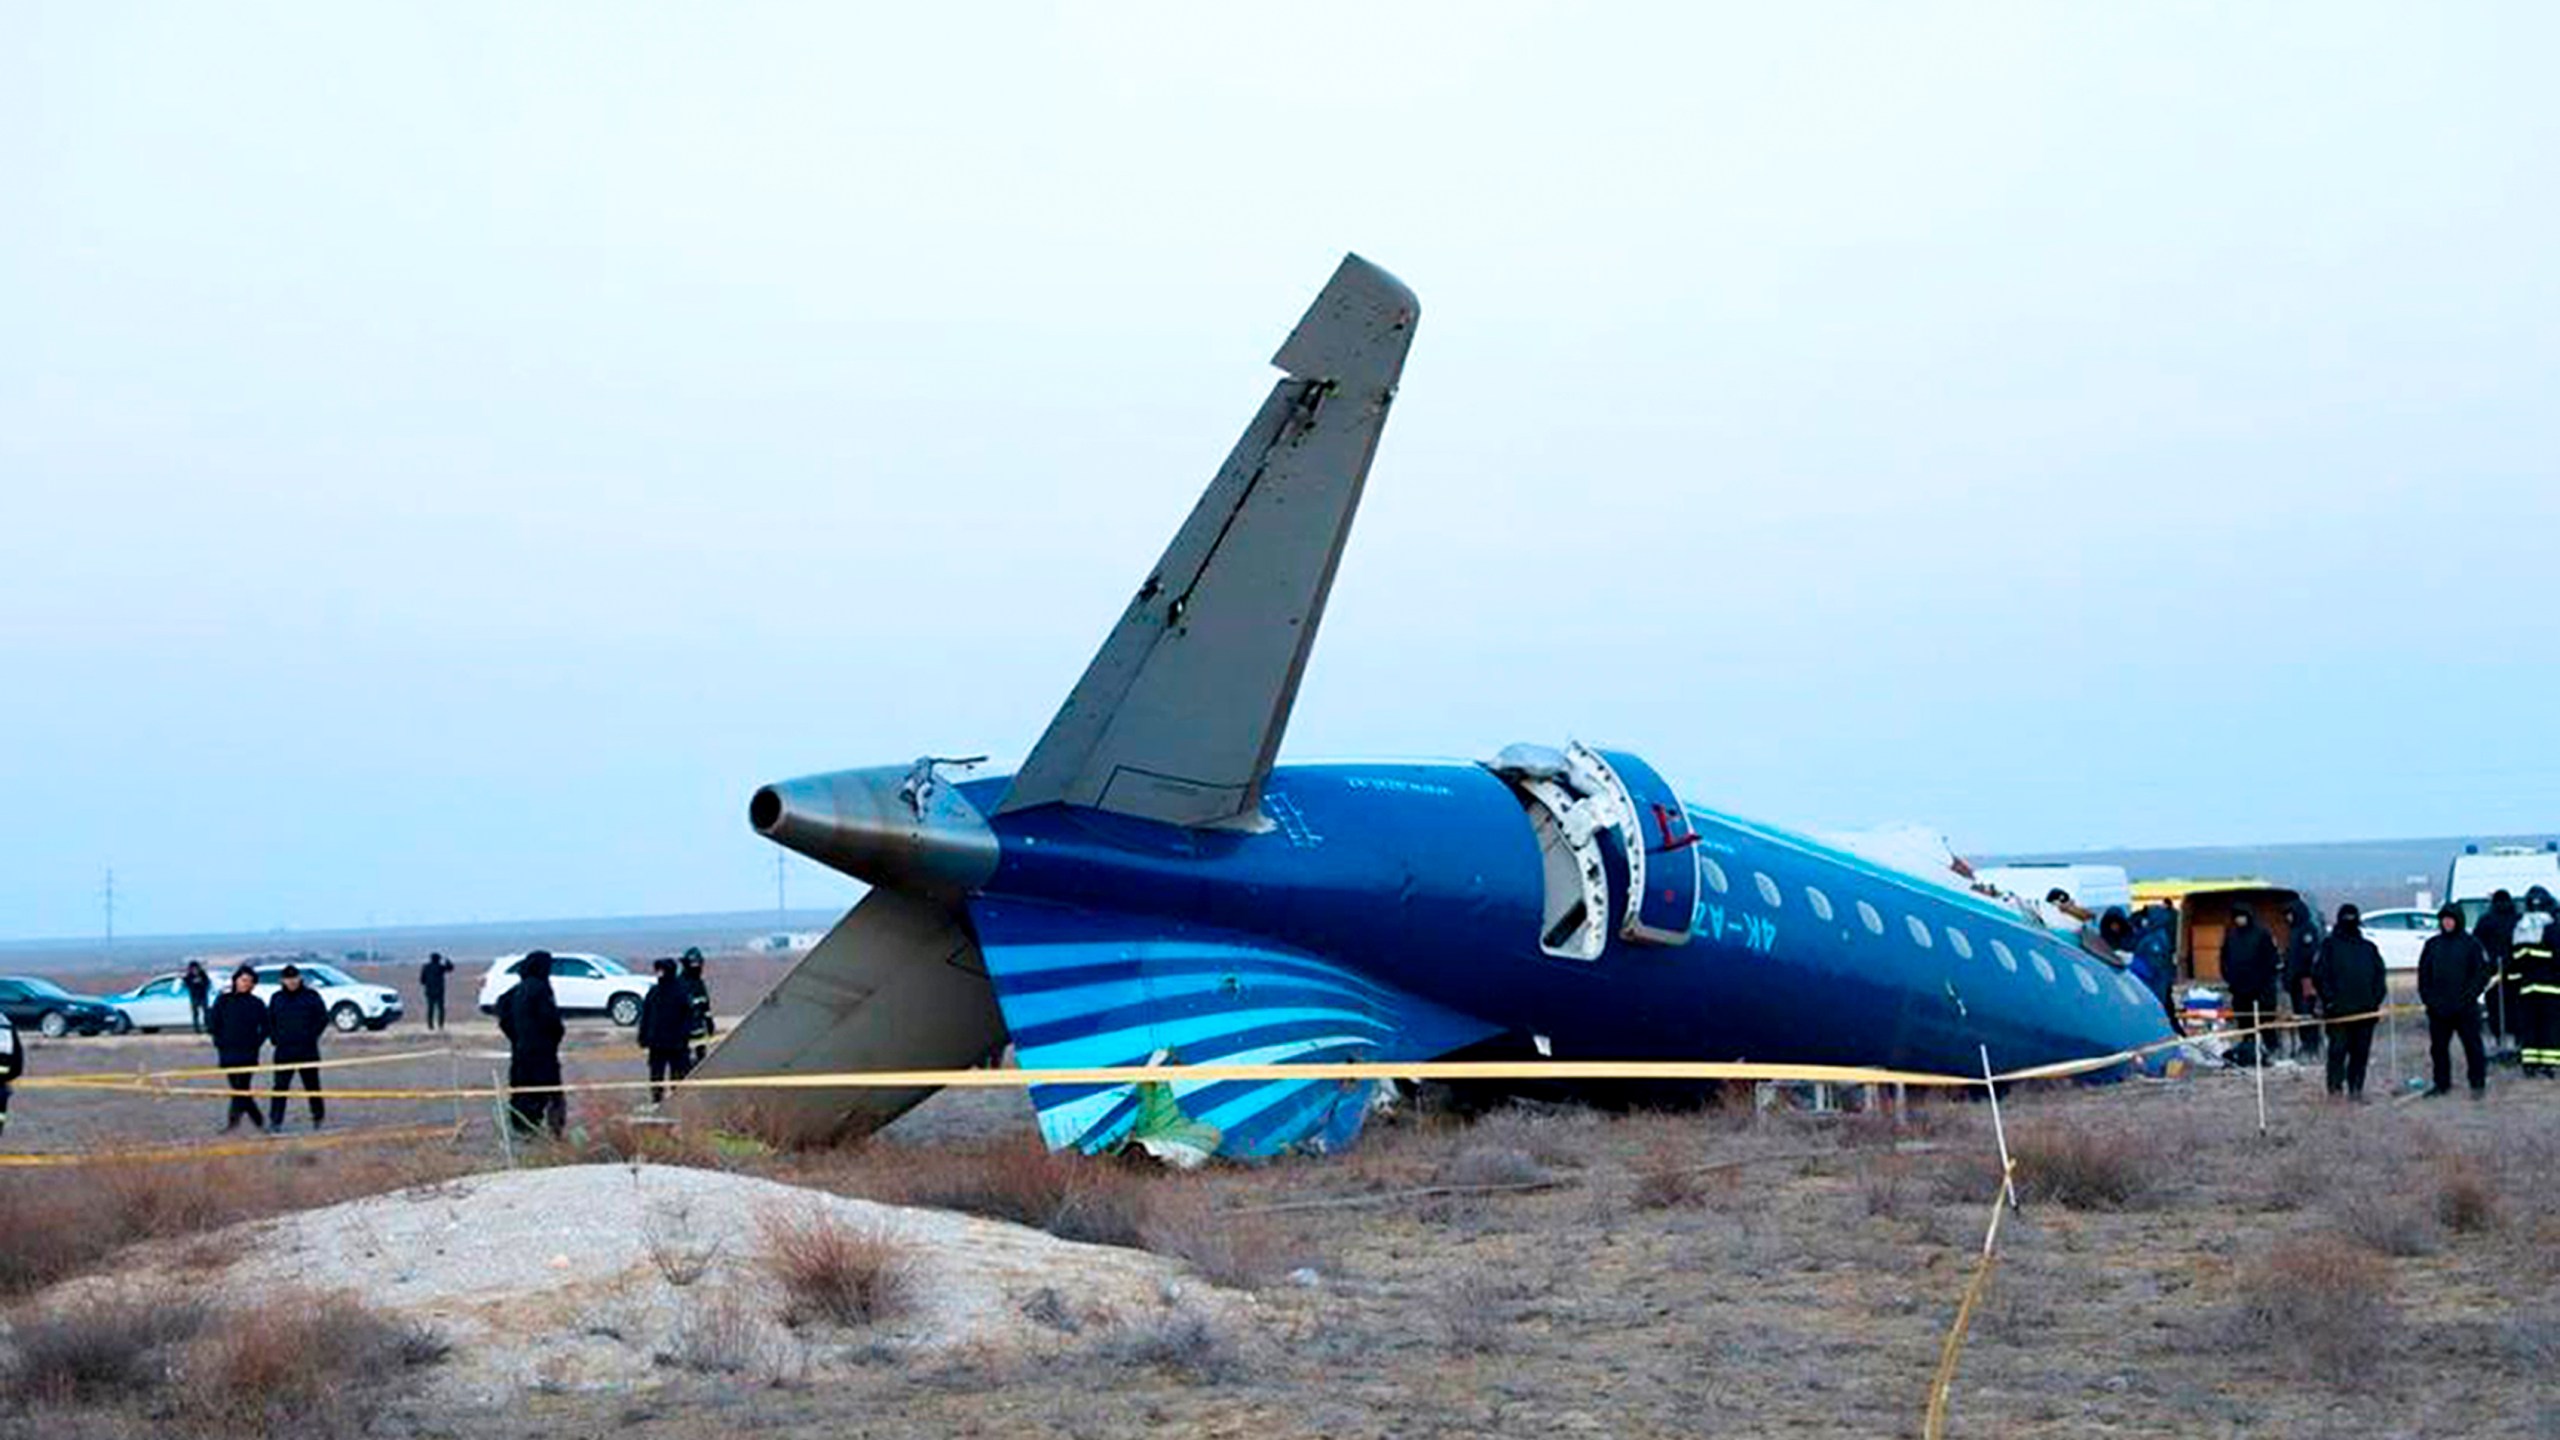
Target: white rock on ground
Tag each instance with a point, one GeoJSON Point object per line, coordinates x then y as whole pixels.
{"type": "Point", "coordinates": [566, 1278]}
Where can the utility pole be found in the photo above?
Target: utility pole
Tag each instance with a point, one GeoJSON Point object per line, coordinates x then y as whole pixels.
{"type": "Point", "coordinates": [108, 896]}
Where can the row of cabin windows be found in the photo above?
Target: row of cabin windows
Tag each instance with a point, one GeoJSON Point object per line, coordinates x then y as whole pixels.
{"type": "Point", "coordinates": [1870, 917]}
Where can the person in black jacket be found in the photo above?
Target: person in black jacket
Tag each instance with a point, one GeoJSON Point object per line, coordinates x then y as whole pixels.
{"type": "Point", "coordinates": [2452, 971]}
{"type": "Point", "coordinates": [2352, 985]}
{"type": "Point", "coordinates": [431, 984]}
{"type": "Point", "coordinates": [2496, 933]}
{"type": "Point", "coordinates": [2301, 948]}
{"type": "Point", "coordinates": [296, 1019]}
{"type": "Point", "coordinates": [698, 991]}
{"type": "Point", "coordinates": [2250, 966]}
{"type": "Point", "coordinates": [13, 1063]}
{"type": "Point", "coordinates": [199, 988]}
{"type": "Point", "coordinates": [529, 1016]}
{"type": "Point", "coordinates": [666, 1030]}
{"type": "Point", "coordinates": [238, 1024]}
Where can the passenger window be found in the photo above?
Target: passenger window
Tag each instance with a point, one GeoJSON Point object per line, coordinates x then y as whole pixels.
{"type": "Point", "coordinates": [1820, 902]}
{"type": "Point", "coordinates": [1768, 889]}
{"type": "Point", "coordinates": [2133, 992]}
{"type": "Point", "coordinates": [1919, 932]}
{"type": "Point", "coordinates": [2087, 981]}
{"type": "Point", "coordinates": [1868, 917]}
{"type": "Point", "coordinates": [1714, 873]}
{"type": "Point", "coordinates": [2044, 967]}
{"type": "Point", "coordinates": [1959, 944]}
{"type": "Point", "coordinates": [2000, 952]}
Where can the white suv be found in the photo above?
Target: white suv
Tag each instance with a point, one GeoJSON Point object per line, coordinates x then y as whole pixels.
{"type": "Point", "coordinates": [583, 984]}
{"type": "Point", "coordinates": [160, 1003]}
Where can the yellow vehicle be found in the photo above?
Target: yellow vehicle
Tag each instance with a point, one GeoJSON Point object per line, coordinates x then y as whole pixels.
{"type": "Point", "coordinates": [2204, 913]}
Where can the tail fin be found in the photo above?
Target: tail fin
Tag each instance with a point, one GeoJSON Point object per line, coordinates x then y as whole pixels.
{"type": "Point", "coordinates": [1179, 715]}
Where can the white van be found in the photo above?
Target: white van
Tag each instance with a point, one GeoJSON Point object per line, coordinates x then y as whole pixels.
{"type": "Point", "coordinates": [2095, 887]}
{"type": "Point", "coordinates": [2476, 874]}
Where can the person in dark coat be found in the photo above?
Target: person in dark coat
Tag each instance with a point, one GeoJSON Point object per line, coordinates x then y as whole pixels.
{"type": "Point", "coordinates": [2349, 976]}
{"type": "Point", "coordinates": [2301, 948]}
{"type": "Point", "coordinates": [431, 984]}
{"type": "Point", "coordinates": [2250, 966]}
{"type": "Point", "coordinates": [666, 1030]}
{"type": "Point", "coordinates": [13, 1063]}
{"type": "Point", "coordinates": [199, 988]}
{"type": "Point", "coordinates": [2452, 971]}
{"type": "Point", "coordinates": [238, 1023]}
{"type": "Point", "coordinates": [2155, 956]}
{"type": "Point", "coordinates": [2535, 958]}
{"type": "Point", "coordinates": [2496, 933]}
{"type": "Point", "coordinates": [698, 991]}
{"type": "Point", "coordinates": [296, 1019]}
{"type": "Point", "coordinates": [529, 1016]}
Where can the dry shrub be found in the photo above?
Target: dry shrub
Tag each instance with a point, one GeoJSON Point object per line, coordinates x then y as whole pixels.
{"type": "Point", "coordinates": [627, 1138]}
{"type": "Point", "coordinates": [666, 1233]}
{"type": "Point", "coordinates": [2087, 1167]}
{"type": "Point", "coordinates": [1180, 1343]}
{"type": "Point", "coordinates": [1071, 1196]}
{"type": "Point", "coordinates": [101, 1347]}
{"type": "Point", "coordinates": [2319, 1298]}
{"type": "Point", "coordinates": [832, 1270]}
{"type": "Point", "coordinates": [301, 1364]}
{"type": "Point", "coordinates": [1493, 1167]}
{"type": "Point", "coordinates": [1552, 1139]}
{"type": "Point", "coordinates": [1476, 1310]}
{"type": "Point", "coordinates": [1667, 1178]}
{"type": "Point", "coordinates": [717, 1332]}
{"type": "Point", "coordinates": [1885, 1187]}
{"type": "Point", "coordinates": [1241, 1252]}
{"type": "Point", "coordinates": [2466, 1195]}
{"type": "Point", "coordinates": [2377, 1212]}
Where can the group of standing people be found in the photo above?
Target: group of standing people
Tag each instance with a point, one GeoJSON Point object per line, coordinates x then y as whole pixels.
{"type": "Point", "coordinates": [675, 1026]}
{"type": "Point", "coordinates": [2523, 948]}
{"type": "Point", "coordinates": [2335, 985]}
{"type": "Point", "coordinates": [242, 1025]}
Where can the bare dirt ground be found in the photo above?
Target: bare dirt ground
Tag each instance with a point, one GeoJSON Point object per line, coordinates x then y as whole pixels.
{"type": "Point", "coordinates": [2385, 1269]}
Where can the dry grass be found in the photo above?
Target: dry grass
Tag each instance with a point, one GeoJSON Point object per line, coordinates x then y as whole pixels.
{"type": "Point", "coordinates": [293, 1364]}
{"type": "Point", "coordinates": [2059, 1162]}
{"type": "Point", "coordinates": [62, 1222]}
{"type": "Point", "coordinates": [1098, 1202]}
{"type": "Point", "coordinates": [1482, 1166]}
{"type": "Point", "coordinates": [1477, 1308]}
{"type": "Point", "coordinates": [1240, 1252]}
{"type": "Point", "coordinates": [833, 1271]}
{"type": "Point", "coordinates": [719, 1332]}
{"type": "Point", "coordinates": [1667, 1177]}
{"type": "Point", "coordinates": [2384, 1214]}
{"type": "Point", "coordinates": [102, 1347]}
{"type": "Point", "coordinates": [2467, 1198]}
{"type": "Point", "coordinates": [2319, 1299]}
{"type": "Point", "coordinates": [1885, 1186]}
{"type": "Point", "coordinates": [301, 1364]}
{"type": "Point", "coordinates": [1180, 1343]}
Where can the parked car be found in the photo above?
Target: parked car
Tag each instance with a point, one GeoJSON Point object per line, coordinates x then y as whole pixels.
{"type": "Point", "coordinates": [34, 1003]}
{"type": "Point", "coordinates": [2399, 935]}
{"type": "Point", "coordinates": [160, 1003]}
{"type": "Point", "coordinates": [584, 985]}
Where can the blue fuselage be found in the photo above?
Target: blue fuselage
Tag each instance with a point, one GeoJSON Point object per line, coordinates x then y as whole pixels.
{"type": "Point", "coordinates": [1426, 876]}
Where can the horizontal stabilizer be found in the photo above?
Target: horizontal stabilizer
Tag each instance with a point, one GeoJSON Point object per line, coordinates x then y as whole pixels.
{"type": "Point", "coordinates": [897, 985]}
{"type": "Point", "coordinates": [1179, 715]}
{"type": "Point", "coordinates": [1085, 989]}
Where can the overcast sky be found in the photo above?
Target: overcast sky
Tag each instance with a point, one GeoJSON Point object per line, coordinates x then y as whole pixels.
{"type": "Point", "coordinates": [452, 454]}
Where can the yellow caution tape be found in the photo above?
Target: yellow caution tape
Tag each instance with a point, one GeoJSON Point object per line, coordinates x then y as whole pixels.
{"type": "Point", "coordinates": [271, 1146]}
{"type": "Point", "coordinates": [1351, 1071]}
{"type": "Point", "coordinates": [80, 1079]}
{"type": "Point", "coordinates": [1934, 1425]}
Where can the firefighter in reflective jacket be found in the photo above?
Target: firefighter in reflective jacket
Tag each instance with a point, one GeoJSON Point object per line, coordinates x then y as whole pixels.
{"type": "Point", "coordinates": [2537, 977]}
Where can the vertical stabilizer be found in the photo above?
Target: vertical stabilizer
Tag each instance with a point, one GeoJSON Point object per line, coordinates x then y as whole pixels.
{"type": "Point", "coordinates": [1180, 714]}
